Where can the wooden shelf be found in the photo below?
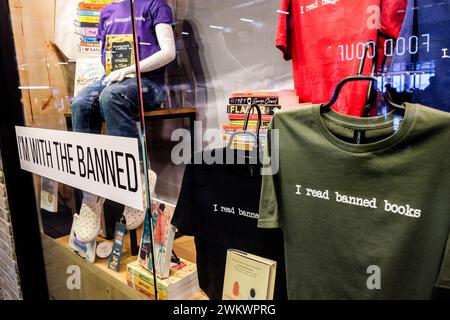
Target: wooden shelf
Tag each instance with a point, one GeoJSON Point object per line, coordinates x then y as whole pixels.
{"type": "Point", "coordinates": [98, 282]}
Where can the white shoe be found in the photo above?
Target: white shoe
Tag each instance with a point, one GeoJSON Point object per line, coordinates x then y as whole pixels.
{"type": "Point", "coordinates": [88, 225]}
{"type": "Point", "coordinates": [136, 217]}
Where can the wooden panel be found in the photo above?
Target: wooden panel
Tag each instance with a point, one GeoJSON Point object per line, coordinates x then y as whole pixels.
{"type": "Point", "coordinates": [98, 282]}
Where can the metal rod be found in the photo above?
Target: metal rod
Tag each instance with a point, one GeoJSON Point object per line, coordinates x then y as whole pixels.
{"type": "Point", "coordinates": [143, 138]}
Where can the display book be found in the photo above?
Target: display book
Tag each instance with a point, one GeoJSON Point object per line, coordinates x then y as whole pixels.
{"type": "Point", "coordinates": [86, 24]}
{"type": "Point", "coordinates": [248, 277]}
{"type": "Point", "coordinates": [181, 284]}
{"type": "Point", "coordinates": [163, 236]}
{"type": "Point", "coordinates": [269, 102]}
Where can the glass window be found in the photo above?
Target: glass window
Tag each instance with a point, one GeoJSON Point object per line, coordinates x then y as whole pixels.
{"type": "Point", "coordinates": [189, 131]}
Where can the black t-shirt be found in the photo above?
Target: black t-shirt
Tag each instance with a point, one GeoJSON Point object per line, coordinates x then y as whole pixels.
{"type": "Point", "coordinates": [218, 205]}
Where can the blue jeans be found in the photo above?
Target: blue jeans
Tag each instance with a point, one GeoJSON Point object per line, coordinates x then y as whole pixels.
{"type": "Point", "coordinates": [116, 104]}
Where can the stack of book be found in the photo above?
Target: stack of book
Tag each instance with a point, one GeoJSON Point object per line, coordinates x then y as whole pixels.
{"type": "Point", "coordinates": [269, 102]}
{"type": "Point", "coordinates": [182, 283]}
{"type": "Point", "coordinates": [86, 24]}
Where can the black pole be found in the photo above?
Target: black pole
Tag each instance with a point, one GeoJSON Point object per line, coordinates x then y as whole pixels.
{"type": "Point", "coordinates": [143, 139]}
{"type": "Point", "coordinates": [19, 184]}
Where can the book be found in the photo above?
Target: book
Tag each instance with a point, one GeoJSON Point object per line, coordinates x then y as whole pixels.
{"type": "Point", "coordinates": [90, 50]}
{"type": "Point", "coordinates": [90, 6]}
{"type": "Point", "coordinates": [183, 277]}
{"type": "Point", "coordinates": [234, 127]}
{"type": "Point", "coordinates": [90, 39]}
{"type": "Point", "coordinates": [87, 71]}
{"type": "Point", "coordinates": [252, 117]}
{"type": "Point", "coordinates": [78, 23]}
{"type": "Point", "coordinates": [49, 195]}
{"type": "Point", "coordinates": [143, 287]}
{"type": "Point", "coordinates": [264, 97]}
{"type": "Point", "coordinates": [248, 277]}
{"type": "Point", "coordinates": [163, 236]}
{"type": "Point", "coordinates": [89, 19]}
{"type": "Point", "coordinates": [87, 32]}
{"type": "Point", "coordinates": [119, 52]}
{"type": "Point", "coordinates": [88, 12]}
{"type": "Point", "coordinates": [264, 93]}
{"type": "Point", "coordinates": [242, 109]}
{"type": "Point", "coordinates": [250, 123]}
{"type": "Point", "coordinates": [90, 45]}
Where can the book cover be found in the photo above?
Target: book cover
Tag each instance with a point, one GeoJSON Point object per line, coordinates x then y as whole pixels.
{"type": "Point", "coordinates": [248, 277]}
{"type": "Point", "coordinates": [163, 236]}
{"type": "Point", "coordinates": [119, 52]}
{"type": "Point", "coordinates": [87, 71]}
{"type": "Point", "coordinates": [49, 195]}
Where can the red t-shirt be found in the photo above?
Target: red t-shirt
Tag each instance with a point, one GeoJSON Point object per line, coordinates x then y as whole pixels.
{"type": "Point", "coordinates": [325, 38]}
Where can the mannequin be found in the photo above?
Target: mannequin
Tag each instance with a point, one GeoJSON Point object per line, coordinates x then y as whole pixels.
{"type": "Point", "coordinates": [114, 98]}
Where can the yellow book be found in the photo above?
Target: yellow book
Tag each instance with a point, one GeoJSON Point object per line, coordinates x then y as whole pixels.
{"type": "Point", "coordinates": [89, 19]}
{"type": "Point", "coordinates": [144, 287]}
{"type": "Point", "coordinates": [119, 52]}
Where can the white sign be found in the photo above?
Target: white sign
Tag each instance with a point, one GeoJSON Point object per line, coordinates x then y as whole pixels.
{"type": "Point", "coordinates": [103, 165]}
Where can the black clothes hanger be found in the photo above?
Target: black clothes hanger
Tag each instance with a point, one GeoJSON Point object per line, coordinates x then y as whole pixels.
{"type": "Point", "coordinates": [360, 77]}
{"type": "Point", "coordinates": [256, 149]}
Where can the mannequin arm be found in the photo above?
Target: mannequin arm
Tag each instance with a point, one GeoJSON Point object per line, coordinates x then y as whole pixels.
{"type": "Point", "coordinates": [167, 54]}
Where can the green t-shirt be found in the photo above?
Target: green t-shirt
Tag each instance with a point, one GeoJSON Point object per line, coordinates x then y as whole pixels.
{"type": "Point", "coordinates": [361, 221]}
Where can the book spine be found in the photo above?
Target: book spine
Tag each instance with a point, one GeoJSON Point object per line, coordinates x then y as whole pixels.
{"type": "Point", "coordinates": [86, 32]}
{"type": "Point", "coordinates": [90, 45]}
{"type": "Point", "coordinates": [147, 278]}
{"type": "Point", "coordinates": [242, 109]}
{"type": "Point", "coordinates": [89, 13]}
{"type": "Point", "coordinates": [232, 127]}
{"type": "Point", "coordinates": [250, 123]}
{"type": "Point", "coordinates": [254, 100]}
{"type": "Point", "coordinates": [90, 50]}
{"type": "Point", "coordinates": [89, 19]}
{"type": "Point", "coordinates": [252, 117]}
{"type": "Point", "coordinates": [85, 24]}
{"type": "Point", "coordinates": [90, 6]}
{"type": "Point", "coordinates": [143, 287]}
{"type": "Point", "coordinates": [88, 39]}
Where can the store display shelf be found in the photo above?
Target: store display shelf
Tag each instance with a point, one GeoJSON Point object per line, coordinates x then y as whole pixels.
{"type": "Point", "coordinates": [71, 277]}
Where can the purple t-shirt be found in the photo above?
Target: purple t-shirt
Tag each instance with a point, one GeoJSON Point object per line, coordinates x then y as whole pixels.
{"type": "Point", "coordinates": [115, 19]}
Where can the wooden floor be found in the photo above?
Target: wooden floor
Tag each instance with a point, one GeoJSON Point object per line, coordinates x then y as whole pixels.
{"type": "Point", "coordinates": [98, 282]}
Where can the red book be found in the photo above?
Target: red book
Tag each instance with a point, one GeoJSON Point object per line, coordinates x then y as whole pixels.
{"type": "Point", "coordinates": [253, 117]}
{"type": "Point", "coordinates": [91, 6]}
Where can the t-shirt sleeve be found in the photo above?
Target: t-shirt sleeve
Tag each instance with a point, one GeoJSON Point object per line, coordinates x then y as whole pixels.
{"type": "Point", "coordinates": [392, 16]}
{"type": "Point", "coordinates": [268, 204]}
{"type": "Point", "coordinates": [444, 276]}
{"type": "Point", "coordinates": [161, 13]}
{"type": "Point", "coordinates": [100, 29]}
{"type": "Point", "coordinates": [185, 217]}
{"type": "Point", "coordinates": [283, 41]}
